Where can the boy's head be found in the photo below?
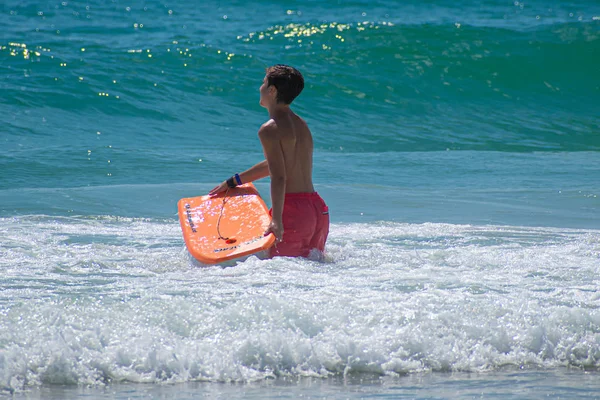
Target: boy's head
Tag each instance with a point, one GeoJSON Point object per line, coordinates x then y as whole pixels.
{"type": "Point", "coordinates": [288, 81]}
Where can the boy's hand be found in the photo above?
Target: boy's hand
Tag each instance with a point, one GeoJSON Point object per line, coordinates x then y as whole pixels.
{"type": "Point", "coordinates": [276, 228]}
{"type": "Point", "coordinates": [218, 189]}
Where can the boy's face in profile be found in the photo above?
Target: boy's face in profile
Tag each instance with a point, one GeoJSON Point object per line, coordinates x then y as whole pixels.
{"type": "Point", "coordinates": [265, 92]}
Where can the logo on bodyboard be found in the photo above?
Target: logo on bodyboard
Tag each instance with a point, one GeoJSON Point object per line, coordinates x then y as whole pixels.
{"type": "Point", "coordinates": [188, 213]}
{"type": "Point", "coordinates": [256, 239]}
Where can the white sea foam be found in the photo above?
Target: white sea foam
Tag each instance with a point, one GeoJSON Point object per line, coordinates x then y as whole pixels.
{"type": "Point", "coordinates": [99, 300]}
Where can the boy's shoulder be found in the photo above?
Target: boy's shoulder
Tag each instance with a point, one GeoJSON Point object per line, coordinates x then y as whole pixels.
{"type": "Point", "coordinates": [269, 130]}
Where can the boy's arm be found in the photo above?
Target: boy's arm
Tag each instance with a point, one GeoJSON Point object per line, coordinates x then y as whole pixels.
{"type": "Point", "coordinates": [269, 139]}
{"type": "Point", "coordinates": [256, 172]}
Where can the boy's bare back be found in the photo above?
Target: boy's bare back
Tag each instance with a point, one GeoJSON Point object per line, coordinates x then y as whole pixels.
{"type": "Point", "coordinates": [297, 147]}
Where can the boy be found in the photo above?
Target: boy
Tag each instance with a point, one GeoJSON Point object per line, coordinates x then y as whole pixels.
{"type": "Point", "coordinates": [299, 216]}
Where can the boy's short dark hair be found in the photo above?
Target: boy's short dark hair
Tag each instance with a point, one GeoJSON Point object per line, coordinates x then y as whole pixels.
{"type": "Point", "coordinates": [288, 81]}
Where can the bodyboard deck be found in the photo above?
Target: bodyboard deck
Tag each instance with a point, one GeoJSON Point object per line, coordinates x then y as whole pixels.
{"type": "Point", "coordinates": [226, 226]}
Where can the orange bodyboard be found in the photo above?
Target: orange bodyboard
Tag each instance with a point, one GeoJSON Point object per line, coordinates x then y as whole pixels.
{"type": "Point", "coordinates": [226, 226]}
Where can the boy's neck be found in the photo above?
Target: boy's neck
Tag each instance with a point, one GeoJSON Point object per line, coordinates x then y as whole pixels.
{"type": "Point", "coordinates": [277, 110]}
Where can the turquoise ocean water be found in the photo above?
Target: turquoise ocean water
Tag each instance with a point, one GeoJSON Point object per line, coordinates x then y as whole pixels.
{"type": "Point", "coordinates": [456, 143]}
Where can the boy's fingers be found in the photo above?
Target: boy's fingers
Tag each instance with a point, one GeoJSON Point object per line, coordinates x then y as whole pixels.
{"type": "Point", "coordinates": [216, 189]}
{"type": "Point", "coordinates": [269, 231]}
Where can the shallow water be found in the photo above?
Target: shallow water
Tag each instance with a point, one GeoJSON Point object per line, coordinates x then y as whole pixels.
{"type": "Point", "coordinates": [558, 384]}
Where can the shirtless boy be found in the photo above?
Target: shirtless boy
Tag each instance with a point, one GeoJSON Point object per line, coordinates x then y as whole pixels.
{"type": "Point", "coordinates": [299, 217]}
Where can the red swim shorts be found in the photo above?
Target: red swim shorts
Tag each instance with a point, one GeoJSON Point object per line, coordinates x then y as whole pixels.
{"type": "Point", "coordinates": [305, 225]}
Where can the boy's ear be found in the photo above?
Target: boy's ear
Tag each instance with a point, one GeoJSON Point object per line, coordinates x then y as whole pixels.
{"type": "Point", "coordinates": [273, 90]}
